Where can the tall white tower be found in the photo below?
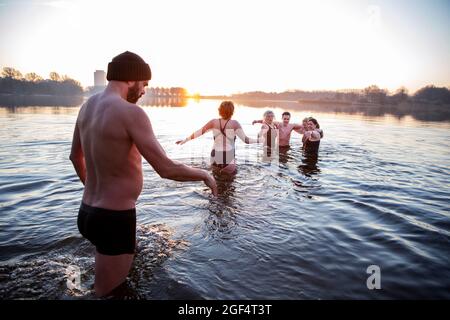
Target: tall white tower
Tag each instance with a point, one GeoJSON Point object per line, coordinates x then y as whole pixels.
{"type": "Point", "coordinates": [99, 78]}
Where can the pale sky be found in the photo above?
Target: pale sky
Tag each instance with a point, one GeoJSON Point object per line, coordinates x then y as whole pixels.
{"type": "Point", "coordinates": [222, 47]}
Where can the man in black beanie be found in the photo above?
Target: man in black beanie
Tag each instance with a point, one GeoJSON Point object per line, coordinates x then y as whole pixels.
{"type": "Point", "coordinates": [111, 133]}
{"type": "Point", "coordinates": [129, 67]}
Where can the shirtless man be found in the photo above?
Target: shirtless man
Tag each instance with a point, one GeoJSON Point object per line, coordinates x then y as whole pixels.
{"type": "Point", "coordinates": [284, 129]}
{"type": "Point", "coordinates": [111, 134]}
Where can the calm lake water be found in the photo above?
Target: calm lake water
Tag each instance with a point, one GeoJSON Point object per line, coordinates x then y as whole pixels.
{"type": "Point", "coordinates": [292, 229]}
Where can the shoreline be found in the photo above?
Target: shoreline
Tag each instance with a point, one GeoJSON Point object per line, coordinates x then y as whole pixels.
{"type": "Point", "coordinates": [16, 99]}
{"type": "Point", "coordinates": [309, 102]}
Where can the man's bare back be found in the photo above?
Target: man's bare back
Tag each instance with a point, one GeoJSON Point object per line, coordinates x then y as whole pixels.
{"type": "Point", "coordinates": [111, 134]}
{"type": "Point", "coordinates": [113, 162]}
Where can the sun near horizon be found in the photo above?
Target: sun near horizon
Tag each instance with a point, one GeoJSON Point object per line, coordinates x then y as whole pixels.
{"type": "Point", "coordinates": [228, 47]}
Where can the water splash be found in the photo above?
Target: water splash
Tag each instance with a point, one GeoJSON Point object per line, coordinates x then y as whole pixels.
{"type": "Point", "coordinates": [46, 276]}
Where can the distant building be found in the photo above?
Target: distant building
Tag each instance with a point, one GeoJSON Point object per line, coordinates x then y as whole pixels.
{"type": "Point", "coordinates": [99, 78]}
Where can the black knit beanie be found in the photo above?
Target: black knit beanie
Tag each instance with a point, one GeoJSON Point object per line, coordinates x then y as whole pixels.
{"type": "Point", "coordinates": [128, 66]}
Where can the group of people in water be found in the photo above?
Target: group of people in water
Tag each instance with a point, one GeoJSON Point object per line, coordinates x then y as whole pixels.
{"type": "Point", "coordinates": [111, 136]}
{"type": "Point", "coordinates": [274, 135]}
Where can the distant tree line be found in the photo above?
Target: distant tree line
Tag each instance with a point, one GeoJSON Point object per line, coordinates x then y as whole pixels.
{"type": "Point", "coordinates": [167, 92]}
{"type": "Point", "coordinates": [13, 82]}
{"type": "Point", "coordinates": [369, 95]}
{"type": "Point", "coordinates": [152, 92]}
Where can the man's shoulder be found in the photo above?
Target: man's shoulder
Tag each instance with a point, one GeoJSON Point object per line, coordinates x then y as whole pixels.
{"type": "Point", "coordinates": [117, 101]}
{"type": "Point", "coordinates": [132, 112]}
{"type": "Point", "coordinates": [122, 106]}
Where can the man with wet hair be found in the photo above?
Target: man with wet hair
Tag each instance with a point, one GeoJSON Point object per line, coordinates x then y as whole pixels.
{"type": "Point", "coordinates": [111, 135]}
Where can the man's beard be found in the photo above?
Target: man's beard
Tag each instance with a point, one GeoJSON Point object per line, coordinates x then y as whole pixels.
{"type": "Point", "coordinates": [133, 94]}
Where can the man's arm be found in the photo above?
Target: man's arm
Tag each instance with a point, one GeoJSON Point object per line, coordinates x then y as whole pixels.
{"type": "Point", "coordinates": [198, 133]}
{"type": "Point", "coordinates": [141, 132]}
{"type": "Point", "coordinates": [77, 155]}
{"type": "Point", "coordinates": [241, 134]}
{"type": "Point", "coordinates": [299, 128]}
{"type": "Point", "coordinates": [277, 123]}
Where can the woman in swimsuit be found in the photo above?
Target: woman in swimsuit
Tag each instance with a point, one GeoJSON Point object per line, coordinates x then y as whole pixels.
{"type": "Point", "coordinates": [225, 131]}
{"type": "Point", "coordinates": [269, 134]}
{"type": "Point", "coordinates": [304, 128]}
{"type": "Point", "coordinates": [312, 137]}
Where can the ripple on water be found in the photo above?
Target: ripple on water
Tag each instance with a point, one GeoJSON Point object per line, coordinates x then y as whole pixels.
{"type": "Point", "coordinates": [44, 275]}
{"type": "Point", "coordinates": [295, 228]}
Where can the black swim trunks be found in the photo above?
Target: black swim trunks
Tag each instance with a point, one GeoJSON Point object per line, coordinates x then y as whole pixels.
{"type": "Point", "coordinates": [112, 232]}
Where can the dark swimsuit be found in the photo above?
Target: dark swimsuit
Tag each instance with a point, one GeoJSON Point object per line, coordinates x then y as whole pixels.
{"type": "Point", "coordinates": [269, 139]}
{"type": "Point", "coordinates": [112, 232]}
{"type": "Point", "coordinates": [223, 163]}
{"type": "Point", "coordinates": [304, 139]}
{"type": "Point", "coordinates": [311, 147]}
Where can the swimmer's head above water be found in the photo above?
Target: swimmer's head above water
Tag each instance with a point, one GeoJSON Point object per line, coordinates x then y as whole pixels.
{"type": "Point", "coordinates": [286, 116]}
{"type": "Point", "coordinates": [130, 69]}
{"type": "Point", "coordinates": [305, 122]}
{"type": "Point", "coordinates": [226, 110]}
{"type": "Point", "coordinates": [313, 124]}
{"type": "Point", "coordinates": [268, 116]}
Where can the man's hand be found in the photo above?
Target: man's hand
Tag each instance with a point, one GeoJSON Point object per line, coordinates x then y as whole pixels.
{"type": "Point", "coordinates": [181, 142]}
{"type": "Point", "coordinates": [211, 183]}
